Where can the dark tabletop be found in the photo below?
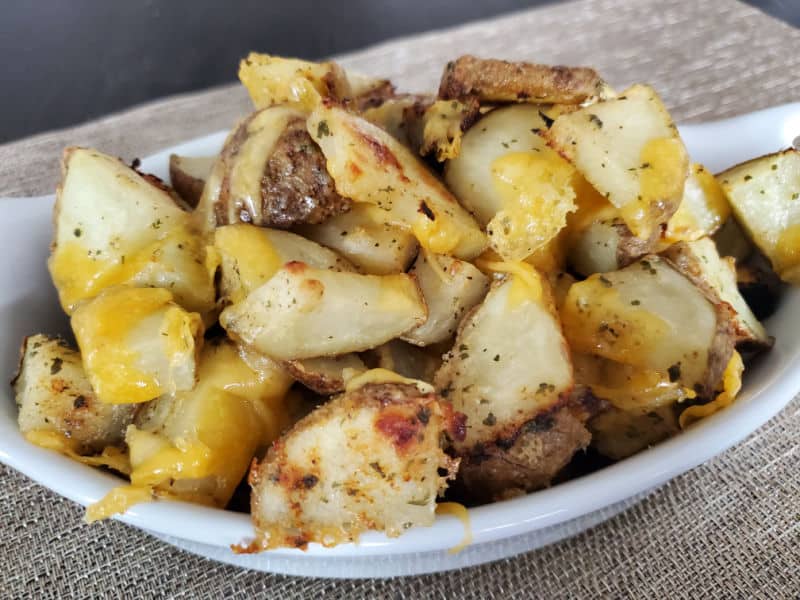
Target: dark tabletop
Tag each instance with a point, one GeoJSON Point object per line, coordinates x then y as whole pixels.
{"type": "Point", "coordinates": [68, 62]}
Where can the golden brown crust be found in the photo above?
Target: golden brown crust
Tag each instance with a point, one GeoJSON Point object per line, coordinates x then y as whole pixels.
{"type": "Point", "coordinates": [492, 80]}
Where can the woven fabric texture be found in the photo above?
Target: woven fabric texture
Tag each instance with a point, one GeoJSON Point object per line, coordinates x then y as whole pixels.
{"type": "Point", "coordinates": [728, 529]}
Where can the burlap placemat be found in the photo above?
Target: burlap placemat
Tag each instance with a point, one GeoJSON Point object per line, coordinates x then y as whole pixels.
{"type": "Point", "coordinates": [728, 529]}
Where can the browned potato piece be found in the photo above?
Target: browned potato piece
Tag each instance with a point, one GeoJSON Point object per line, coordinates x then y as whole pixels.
{"type": "Point", "coordinates": [437, 129]}
{"type": "Point", "coordinates": [115, 226]}
{"type": "Point", "coordinates": [271, 173]}
{"type": "Point", "coordinates": [451, 287]}
{"type": "Point", "coordinates": [363, 238]}
{"type": "Point", "coordinates": [370, 166]}
{"type": "Point", "coordinates": [325, 375]}
{"type": "Point", "coordinates": [369, 459]}
{"type": "Point", "coordinates": [651, 317]}
{"type": "Point", "coordinates": [493, 80]}
{"type": "Point", "coordinates": [763, 193]}
{"type": "Point", "coordinates": [702, 211]}
{"type": "Point", "coordinates": [619, 434]}
{"type": "Point", "coordinates": [530, 459]}
{"type": "Point", "coordinates": [54, 395]}
{"type": "Point", "coordinates": [629, 149]}
{"type": "Point", "coordinates": [188, 175]}
{"type": "Point", "coordinates": [392, 115]}
{"type": "Point", "coordinates": [302, 312]}
{"type": "Point", "coordinates": [700, 262]}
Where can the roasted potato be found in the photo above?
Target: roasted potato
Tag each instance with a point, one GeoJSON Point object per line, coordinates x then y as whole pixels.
{"type": "Point", "coordinates": [437, 129]}
{"type": "Point", "coordinates": [369, 459]}
{"type": "Point", "coordinates": [303, 312]}
{"type": "Point", "coordinates": [325, 375]}
{"type": "Point", "coordinates": [362, 237]}
{"type": "Point", "coordinates": [188, 175]}
{"type": "Point", "coordinates": [273, 80]}
{"type": "Point", "coordinates": [114, 226]}
{"type": "Point", "coordinates": [517, 187]}
{"type": "Point", "coordinates": [270, 173]}
{"type": "Point", "coordinates": [137, 344]}
{"type": "Point", "coordinates": [702, 211]}
{"type": "Point", "coordinates": [393, 114]}
{"type": "Point", "coordinates": [619, 434]}
{"type": "Point", "coordinates": [249, 256]}
{"type": "Point", "coordinates": [700, 262]}
{"type": "Point", "coordinates": [451, 287]}
{"type": "Point", "coordinates": [651, 317]}
{"type": "Point", "coordinates": [492, 80]}
{"type": "Point", "coordinates": [54, 396]}
{"type": "Point", "coordinates": [369, 165]}
{"type": "Point", "coordinates": [630, 151]}
{"type": "Point", "coordinates": [763, 193]}
{"type": "Point", "coordinates": [485, 376]}
{"type": "Point", "coordinates": [197, 445]}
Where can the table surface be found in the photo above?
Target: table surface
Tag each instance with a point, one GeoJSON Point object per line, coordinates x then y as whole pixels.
{"type": "Point", "coordinates": [93, 58]}
{"type": "Point", "coordinates": [728, 529]}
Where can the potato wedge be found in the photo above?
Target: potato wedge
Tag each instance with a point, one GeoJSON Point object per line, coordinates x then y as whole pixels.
{"type": "Point", "coordinates": [702, 211]}
{"type": "Point", "coordinates": [509, 362]}
{"type": "Point", "coordinates": [137, 344]}
{"type": "Point", "coordinates": [114, 226]}
{"type": "Point", "coordinates": [763, 193]}
{"type": "Point", "coordinates": [197, 445]}
{"type": "Point", "coordinates": [651, 317]}
{"type": "Point", "coordinates": [630, 151]}
{"type": "Point", "coordinates": [516, 186]}
{"type": "Point", "coordinates": [188, 175]}
{"type": "Point", "coordinates": [437, 129]}
{"type": "Point", "coordinates": [325, 375]}
{"type": "Point", "coordinates": [392, 115]}
{"type": "Point", "coordinates": [54, 395]}
{"type": "Point", "coordinates": [273, 80]}
{"type": "Point", "coordinates": [369, 165]}
{"type": "Point", "coordinates": [493, 80]}
{"type": "Point", "coordinates": [249, 256]}
{"type": "Point", "coordinates": [302, 312]}
{"type": "Point", "coordinates": [368, 459]}
{"type": "Point", "coordinates": [700, 262]}
{"type": "Point", "coordinates": [363, 238]}
{"type": "Point", "coordinates": [451, 287]}
{"type": "Point", "coordinates": [270, 173]}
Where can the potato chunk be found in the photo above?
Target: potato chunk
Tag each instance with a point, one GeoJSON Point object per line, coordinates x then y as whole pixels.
{"type": "Point", "coordinates": [363, 238]}
{"type": "Point", "coordinates": [54, 395]}
{"type": "Point", "coordinates": [188, 175]}
{"type": "Point", "coordinates": [450, 287]}
{"type": "Point", "coordinates": [249, 256]}
{"type": "Point", "coordinates": [438, 128]}
{"type": "Point", "coordinates": [629, 149]}
{"type": "Point", "coordinates": [763, 193]}
{"type": "Point", "coordinates": [137, 344]}
{"type": "Point", "coordinates": [302, 312]}
{"type": "Point", "coordinates": [197, 445]}
{"type": "Point", "coordinates": [270, 173]}
{"type": "Point", "coordinates": [114, 226]}
{"type": "Point", "coordinates": [273, 80]}
{"type": "Point", "coordinates": [651, 317]}
{"type": "Point", "coordinates": [369, 165]}
{"type": "Point", "coordinates": [492, 80]}
{"type": "Point", "coordinates": [509, 361]}
{"type": "Point", "coordinates": [369, 459]}
{"type": "Point", "coordinates": [701, 263]}
{"type": "Point", "coordinates": [702, 211]}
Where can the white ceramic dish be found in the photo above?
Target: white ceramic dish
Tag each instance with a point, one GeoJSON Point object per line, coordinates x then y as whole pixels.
{"type": "Point", "coordinates": [28, 305]}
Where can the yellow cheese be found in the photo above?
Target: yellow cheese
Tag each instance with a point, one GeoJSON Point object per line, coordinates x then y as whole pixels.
{"type": "Point", "coordinates": [703, 209]}
{"type": "Point", "coordinates": [731, 384]}
{"type": "Point", "coordinates": [246, 249]}
{"type": "Point", "coordinates": [526, 282]}
{"type": "Point", "coordinates": [537, 194]}
{"type": "Point", "coordinates": [663, 168]}
{"type": "Point", "coordinates": [104, 329]}
{"type": "Point", "coordinates": [460, 512]}
{"type": "Point", "coordinates": [111, 456]}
